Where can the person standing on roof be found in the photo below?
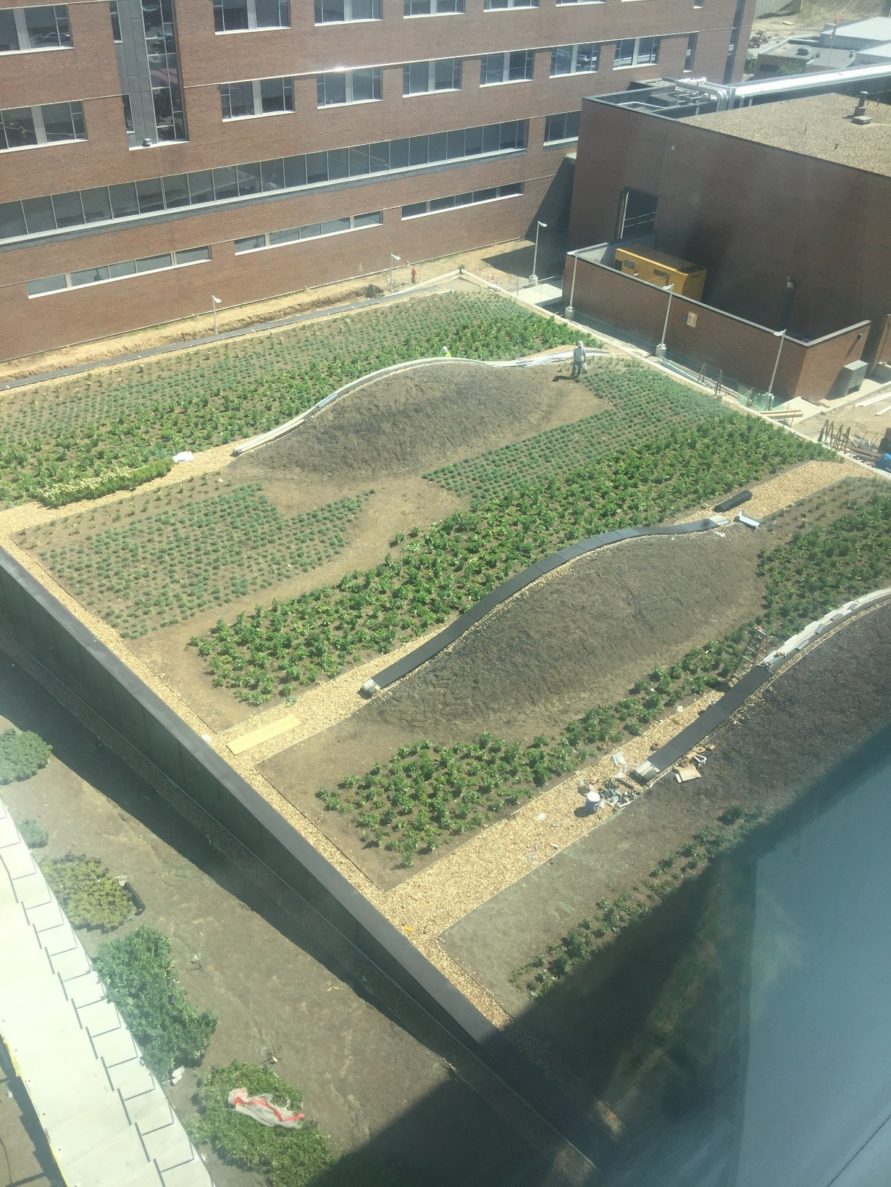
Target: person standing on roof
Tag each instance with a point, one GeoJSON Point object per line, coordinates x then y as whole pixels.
{"type": "Point", "coordinates": [578, 361]}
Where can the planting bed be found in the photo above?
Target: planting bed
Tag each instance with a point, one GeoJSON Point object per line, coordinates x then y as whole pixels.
{"type": "Point", "coordinates": [120, 419]}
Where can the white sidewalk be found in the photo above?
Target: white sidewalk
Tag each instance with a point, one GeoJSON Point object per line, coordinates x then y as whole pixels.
{"type": "Point", "coordinates": [106, 1118]}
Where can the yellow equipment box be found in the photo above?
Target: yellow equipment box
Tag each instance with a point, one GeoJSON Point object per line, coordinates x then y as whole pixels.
{"type": "Point", "coordinates": [659, 268]}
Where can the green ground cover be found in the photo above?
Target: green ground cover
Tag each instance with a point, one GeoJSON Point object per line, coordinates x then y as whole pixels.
{"type": "Point", "coordinates": [87, 892]}
{"type": "Point", "coordinates": [22, 754]}
{"type": "Point", "coordinates": [444, 570]}
{"type": "Point", "coordinates": [167, 556]}
{"type": "Point", "coordinates": [641, 402]}
{"type": "Point", "coordinates": [428, 793]}
{"type": "Point", "coordinates": [107, 424]}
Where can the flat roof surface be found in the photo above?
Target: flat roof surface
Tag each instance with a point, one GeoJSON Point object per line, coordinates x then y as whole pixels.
{"type": "Point", "coordinates": [877, 28]}
{"type": "Point", "coordinates": [818, 126]}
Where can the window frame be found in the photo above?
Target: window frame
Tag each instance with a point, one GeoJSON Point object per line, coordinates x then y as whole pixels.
{"type": "Point", "coordinates": [250, 9]}
{"type": "Point", "coordinates": [506, 67]}
{"type": "Point", "coordinates": [636, 57]}
{"type": "Point", "coordinates": [506, 5]}
{"type": "Point", "coordinates": [449, 8]}
{"type": "Point", "coordinates": [347, 5]}
{"type": "Point", "coordinates": [127, 270]}
{"type": "Point", "coordinates": [256, 93]}
{"type": "Point", "coordinates": [594, 46]}
{"type": "Point", "coordinates": [23, 33]}
{"type": "Point", "coordinates": [432, 88]}
{"type": "Point", "coordinates": [376, 78]}
{"type": "Point", "coordinates": [561, 115]}
{"type": "Point", "coordinates": [288, 236]}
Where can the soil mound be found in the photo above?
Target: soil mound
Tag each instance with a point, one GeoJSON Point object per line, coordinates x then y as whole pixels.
{"type": "Point", "coordinates": [416, 420]}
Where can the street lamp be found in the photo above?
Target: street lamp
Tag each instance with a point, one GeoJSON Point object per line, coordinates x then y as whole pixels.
{"type": "Point", "coordinates": [533, 279]}
{"type": "Point", "coordinates": [781, 334]}
{"type": "Point", "coordinates": [662, 349]}
{"type": "Point", "coordinates": [213, 308]}
{"type": "Point", "coordinates": [394, 259]}
{"type": "Point", "coordinates": [570, 308]}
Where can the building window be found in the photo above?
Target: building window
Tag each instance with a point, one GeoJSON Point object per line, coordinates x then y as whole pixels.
{"type": "Point", "coordinates": [575, 59]}
{"type": "Point", "coordinates": [233, 16]}
{"type": "Point", "coordinates": [45, 27]}
{"type": "Point", "coordinates": [581, 2]}
{"type": "Point", "coordinates": [52, 123]}
{"type": "Point", "coordinates": [438, 205]}
{"type": "Point", "coordinates": [262, 96]}
{"type": "Point", "coordinates": [698, 3]}
{"type": "Point", "coordinates": [510, 67]}
{"type": "Point", "coordinates": [564, 126]}
{"type": "Point", "coordinates": [334, 11]}
{"type": "Point", "coordinates": [334, 226]}
{"type": "Point", "coordinates": [690, 53]}
{"type": "Point", "coordinates": [637, 51]}
{"type": "Point", "coordinates": [420, 78]}
{"type": "Point", "coordinates": [206, 186]}
{"type": "Point", "coordinates": [118, 271]}
{"type": "Point", "coordinates": [349, 86]}
{"type": "Point", "coordinates": [115, 21]}
{"type": "Point", "coordinates": [493, 5]}
{"type": "Point", "coordinates": [433, 7]}
{"type": "Point", "coordinates": [163, 62]}
{"type": "Point", "coordinates": [637, 213]}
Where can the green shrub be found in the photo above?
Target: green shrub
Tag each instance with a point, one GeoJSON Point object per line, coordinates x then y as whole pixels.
{"type": "Point", "coordinates": [88, 894]}
{"type": "Point", "coordinates": [22, 754]}
{"type": "Point", "coordinates": [140, 979]}
{"type": "Point", "coordinates": [284, 1157]}
{"type": "Point", "coordinates": [94, 486]}
{"type": "Point", "coordinates": [33, 834]}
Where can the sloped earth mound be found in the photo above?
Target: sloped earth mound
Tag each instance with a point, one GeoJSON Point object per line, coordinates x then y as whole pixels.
{"type": "Point", "coordinates": [575, 640]}
{"type": "Point", "coordinates": [424, 417]}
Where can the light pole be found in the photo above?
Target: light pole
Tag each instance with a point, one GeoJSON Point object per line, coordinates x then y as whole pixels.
{"type": "Point", "coordinates": [781, 334]}
{"type": "Point", "coordinates": [533, 279]}
{"type": "Point", "coordinates": [394, 259]}
{"type": "Point", "coordinates": [570, 308]}
{"type": "Point", "coordinates": [662, 349]}
{"type": "Point", "coordinates": [213, 308]}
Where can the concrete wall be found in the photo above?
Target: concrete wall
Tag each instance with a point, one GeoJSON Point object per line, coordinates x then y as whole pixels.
{"type": "Point", "coordinates": [743, 351]}
{"type": "Point", "coordinates": [753, 215]}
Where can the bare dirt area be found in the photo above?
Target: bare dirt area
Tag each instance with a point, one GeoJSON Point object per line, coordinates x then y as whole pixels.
{"type": "Point", "coordinates": [424, 418]}
{"type": "Point", "coordinates": [367, 1081]}
{"type": "Point", "coordinates": [578, 639]}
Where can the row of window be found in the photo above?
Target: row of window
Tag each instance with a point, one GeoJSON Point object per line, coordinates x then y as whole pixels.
{"type": "Point", "coordinates": [107, 203]}
{"type": "Point", "coordinates": [43, 27]}
{"type": "Point", "coordinates": [266, 96]}
{"type": "Point", "coordinates": [438, 205]}
{"type": "Point", "coordinates": [334, 226]}
{"type": "Point", "coordinates": [52, 123]}
{"type": "Point", "coordinates": [119, 271]}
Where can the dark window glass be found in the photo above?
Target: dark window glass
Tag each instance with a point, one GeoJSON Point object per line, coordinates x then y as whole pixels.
{"type": "Point", "coordinates": [414, 209]}
{"type": "Point", "coordinates": [359, 161]}
{"type": "Point", "coordinates": [415, 78]}
{"type": "Point", "coordinates": [447, 74]}
{"type": "Point", "coordinates": [455, 145]}
{"type": "Point", "coordinates": [176, 190]}
{"type": "Point", "coordinates": [68, 209]}
{"type": "Point", "coordinates": [124, 268]}
{"type": "Point", "coordinates": [248, 179]}
{"type": "Point", "coordinates": [316, 167]}
{"type": "Point", "coordinates": [295, 171]}
{"type": "Point", "coordinates": [192, 255]}
{"type": "Point", "coordinates": [9, 38]}
{"type": "Point", "coordinates": [115, 21]}
{"type": "Point", "coordinates": [128, 113]}
{"type": "Point", "coordinates": [310, 231]}
{"type": "Point", "coordinates": [492, 138]}
{"type": "Point", "coordinates": [97, 204]}
{"type": "Point", "coordinates": [39, 215]}
{"type": "Point", "coordinates": [123, 199]}
{"type": "Point", "coordinates": [378, 157]}
{"type": "Point", "coordinates": [150, 195]}
{"type": "Point", "coordinates": [441, 204]}
{"type": "Point", "coordinates": [18, 127]}
{"type": "Point", "coordinates": [12, 220]}
{"type": "Point", "coordinates": [624, 52]}
{"type": "Point", "coordinates": [329, 10]}
{"type": "Point", "coordinates": [374, 219]}
{"type": "Point", "coordinates": [273, 14]}
{"type": "Point", "coordinates": [398, 154]}
{"type": "Point", "coordinates": [237, 99]}
{"type": "Point", "coordinates": [273, 175]}
{"type": "Point", "coordinates": [58, 121]}
{"type": "Point", "coordinates": [331, 88]}
{"type": "Point", "coordinates": [225, 182]}
{"type": "Point", "coordinates": [89, 276]}
{"type": "Point", "coordinates": [47, 26]}
{"type": "Point", "coordinates": [46, 284]}
{"type": "Point", "coordinates": [201, 186]}
{"type": "Point", "coordinates": [277, 94]}
{"type": "Point", "coordinates": [289, 235]}
{"type": "Point", "coordinates": [335, 225]}
{"type": "Point", "coordinates": [417, 150]}
{"type": "Point", "coordinates": [473, 142]}
{"type": "Point", "coordinates": [437, 147]}
{"type": "Point", "coordinates": [153, 263]}
{"type": "Point", "coordinates": [338, 163]}
{"type": "Point", "coordinates": [250, 243]}
{"type": "Point", "coordinates": [230, 14]}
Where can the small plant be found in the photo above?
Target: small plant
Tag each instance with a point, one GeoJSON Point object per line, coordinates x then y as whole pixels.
{"type": "Point", "coordinates": [140, 979]}
{"type": "Point", "coordinates": [88, 894]}
{"type": "Point", "coordinates": [33, 834]}
{"type": "Point", "coordinates": [284, 1157]}
{"type": "Point", "coordinates": [22, 754]}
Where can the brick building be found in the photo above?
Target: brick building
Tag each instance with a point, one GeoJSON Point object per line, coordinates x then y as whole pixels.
{"type": "Point", "coordinates": [786, 205]}
{"type": "Point", "coordinates": [154, 153]}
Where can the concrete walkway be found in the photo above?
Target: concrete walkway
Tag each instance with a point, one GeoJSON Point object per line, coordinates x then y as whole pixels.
{"type": "Point", "coordinates": [107, 1120]}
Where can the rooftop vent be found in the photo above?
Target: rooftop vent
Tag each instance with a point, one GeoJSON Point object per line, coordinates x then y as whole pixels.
{"type": "Point", "coordinates": [860, 116]}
